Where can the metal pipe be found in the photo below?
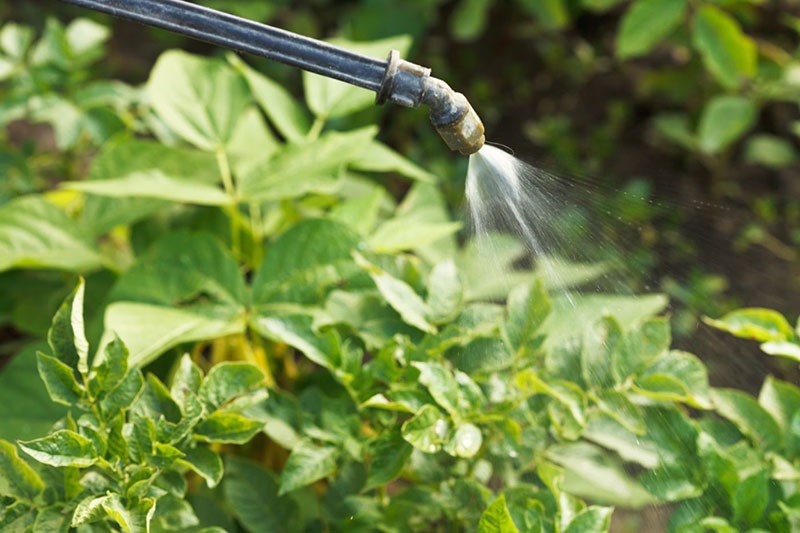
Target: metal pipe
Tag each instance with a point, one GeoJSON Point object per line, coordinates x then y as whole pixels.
{"type": "Point", "coordinates": [395, 80]}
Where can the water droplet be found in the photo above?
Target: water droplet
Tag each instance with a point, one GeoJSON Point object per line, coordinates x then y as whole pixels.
{"type": "Point", "coordinates": [468, 440]}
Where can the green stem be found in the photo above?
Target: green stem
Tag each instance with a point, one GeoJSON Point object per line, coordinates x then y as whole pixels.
{"type": "Point", "coordinates": [232, 207]}
{"type": "Point", "coordinates": [316, 128]}
{"type": "Point", "coordinates": [257, 227]}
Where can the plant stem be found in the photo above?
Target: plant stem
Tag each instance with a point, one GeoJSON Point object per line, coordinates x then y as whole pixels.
{"type": "Point", "coordinates": [232, 207]}
{"type": "Point", "coordinates": [257, 227]}
{"type": "Point", "coordinates": [316, 128]}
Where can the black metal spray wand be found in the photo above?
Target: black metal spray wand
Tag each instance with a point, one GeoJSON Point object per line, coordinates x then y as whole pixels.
{"type": "Point", "coordinates": [394, 80]}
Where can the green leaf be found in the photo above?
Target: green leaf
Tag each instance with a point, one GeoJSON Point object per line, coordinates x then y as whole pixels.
{"type": "Point", "coordinates": [560, 324]}
{"type": "Point", "coordinates": [640, 345]}
{"type": "Point", "coordinates": [399, 295]}
{"type": "Point", "coordinates": [124, 394]}
{"type": "Point", "coordinates": [676, 128]}
{"type": "Point", "coordinates": [228, 380]}
{"type": "Point", "coordinates": [154, 184]}
{"type": "Point", "coordinates": [59, 379]}
{"type": "Point", "coordinates": [427, 429]}
{"type": "Point", "coordinates": [304, 262]}
{"type": "Point", "coordinates": [377, 157]}
{"type": "Point", "coordinates": [528, 307]}
{"type": "Point", "coordinates": [199, 98]}
{"type": "Point", "coordinates": [782, 400]}
{"type": "Point", "coordinates": [599, 343]}
{"type": "Point", "coordinates": [442, 386]}
{"type": "Point", "coordinates": [329, 98]}
{"type": "Point", "coordinates": [787, 349]}
{"type": "Point", "coordinates": [150, 330]}
{"type": "Point", "coordinates": [618, 406]}
{"type": "Point", "coordinates": [646, 23]}
{"type": "Point", "coordinates": [724, 120]}
{"type": "Point", "coordinates": [227, 427]}
{"type": "Point", "coordinates": [676, 376]}
{"type": "Point", "coordinates": [590, 520]}
{"type": "Point", "coordinates": [770, 151]}
{"type": "Point", "coordinates": [17, 479]}
{"type": "Point", "coordinates": [469, 19]}
{"type": "Point", "coordinates": [389, 455]}
{"type": "Point", "coordinates": [174, 513]}
{"type": "Point", "coordinates": [27, 408]}
{"type": "Point", "coordinates": [307, 463]}
{"type": "Point", "coordinates": [111, 369]}
{"type": "Point", "coordinates": [37, 234]}
{"type": "Point", "coordinates": [748, 416]}
{"type": "Point", "coordinates": [251, 492]}
{"type": "Point", "coordinates": [89, 510]}
{"type": "Point", "coordinates": [445, 292]}
{"type": "Point", "coordinates": [728, 53]}
{"type": "Point", "coordinates": [496, 518]}
{"type": "Point", "coordinates": [288, 116]}
{"type": "Point", "coordinates": [62, 448]}
{"type": "Point", "coordinates": [405, 233]}
{"type": "Point", "coordinates": [131, 519]}
{"type": "Point", "coordinates": [296, 331]}
{"type": "Point", "coordinates": [66, 337]}
{"type": "Point", "coordinates": [186, 381]}
{"type": "Point", "coordinates": [318, 162]}
{"type": "Point", "coordinates": [751, 497]}
{"type": "Point", "coordinates": [465, 441]}
{"type": "Point", "coordinates": [754, 323]}
{"type": "Point", "coordinates": [607, 431]}
{"type": "Point", "coordinates": [205, 462]}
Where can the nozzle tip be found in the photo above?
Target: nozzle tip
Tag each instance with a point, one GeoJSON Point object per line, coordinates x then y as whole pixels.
{"type": "Point", "coordinates": [466, 133]}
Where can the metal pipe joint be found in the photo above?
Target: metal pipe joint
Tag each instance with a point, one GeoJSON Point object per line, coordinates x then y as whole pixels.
{"type": "Point", "coordinates": [407, 84]}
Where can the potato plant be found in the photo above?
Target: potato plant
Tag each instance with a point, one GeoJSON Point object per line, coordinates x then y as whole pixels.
{"type": "Point", "coordinates": [321, 356]}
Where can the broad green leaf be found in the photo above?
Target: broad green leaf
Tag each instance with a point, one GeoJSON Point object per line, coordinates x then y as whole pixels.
{"type": "Point", "coordinates": [297, 332]}
{"type": "Point", "coordinates": [361, 212]}
{"type": "Point", "coordinates": [329, 98]}
{"type": "Point", "coordinates": [288, 117]}
{"type": "Point", "coordinates": [389, 455]}
{"type": "Point", "coordinates": [646, 23]}
{"type": "Point", "coordinates": [37, 234]}
{"type": "Point", "coordinates": [111, 368]}
{"type": "Point", "coordinates": [751, 497]}
{"type": "Point", "coordinates": [640, 345]}
{"type": "Point", "coordinates": [154, 184]}
{"type": "Point", "coordinates": [130, 519]}
{"type": "Point", "coordinates": [445, 292]}
{"type": "Point", "coordinates": [304, 262]}
{"type": "Point", "coordinates": [227, 381]}
{"type": "Point", "coordinates": [755, 323]}
{"type": "Point", "coordinates": [51, 519]}
{"type": "Point", "coordinates": [725, 119]}
{"type": "Point", "coordinates": [251, 136]}
{"type": "Point", "coordinates": [124, 394]}
{"type": "Point", "coordinates": [205, 462]}
{"type": "Point", "coordinates": [591, 520]}
{"type": "Point", "coordinates": [15, 39]}
{"type": "Point", "coordinates": [528, 307]}
{"type": "Point", "coordinates": [199, 98]}
{"type": "Point", "coordinates": [62, 448]}
{"type": "Point", "coordinates": [676, 376]}
{"type": "Point", "coordinates": [465, 441]}
{"type": "Point", "coordinates": [227, 427]}
{"type": "Point", "coordinates": [400, 295]}
{"type": "Point", "coordinates": [174, 513]}
{"type": "Point", "coordinates": [770, 151]}
{"type": "Point", "coordinates": [618, 406]}
{"type": "Point", "coordinates": [185, 381]}
{"type": "Point", "coordinates": [28, 411]}
{"type": "Point", "coordinates": [377, 157]}
{"type": "Point", "coordinates": [676, 128]}
{"type": "Point", "coordinates": [67, 337]}
{"type": "Point", "coordinates": [607, 431]}
{"type": "Point", "coordinates": [427, 429]}
{"type": "Point", "coordinates": [780, 399]}
{"type": "Point", "coordinates": [400, 233]}
{"type": "Point", "coordinates": [17, 479]}
{"type": "Point", "coordinates": [424, 204]}
{"type": "Point", "coordinates": [307, 463]}
{"type": "Point", "coordinates": [728, 53]}
{"type": "Point", "coordinates": [782, 349]}
{"type": "Point", "coordinates": [18, 517]}
{"type": "Point", "coordinates": [442, 386]}
{"type": "Point", "coordinates": [600, 341]}
{"type": "Point", "coordinates": [491, 280]}
{"type": "Point", "coordinates": [155, 402]}
{"type": "Point", "coordinates": [469, 19]}
{"type": "Point", "coordinates": [496, 518]}
{"type": "Point", "coordinates": [587, 309]}
{"type": "Point", "coordinates": [89, 510]}
{"type": "Point", "coordinates": [59, 379]}
{"type": "Point", "coordinates": [186, 269]}
{"type": "Point", "coordinates": [251, 492]}
{"type": "Point", "coordinates": [150, 330]}
{"type": "Point", "coordinates": [318, 163]}
{"type": "Point", "coordinates": [748, 416]}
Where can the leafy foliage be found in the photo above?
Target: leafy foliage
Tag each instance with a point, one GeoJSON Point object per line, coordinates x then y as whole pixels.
{"type": "Point", "coordinates": [276, 343]}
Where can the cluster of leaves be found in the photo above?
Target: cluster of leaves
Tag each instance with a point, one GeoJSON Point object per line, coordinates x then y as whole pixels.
{"type": "Point", "coordinates": [355, 335]}
{"type": "Point", "coordinates": [120, 454]}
